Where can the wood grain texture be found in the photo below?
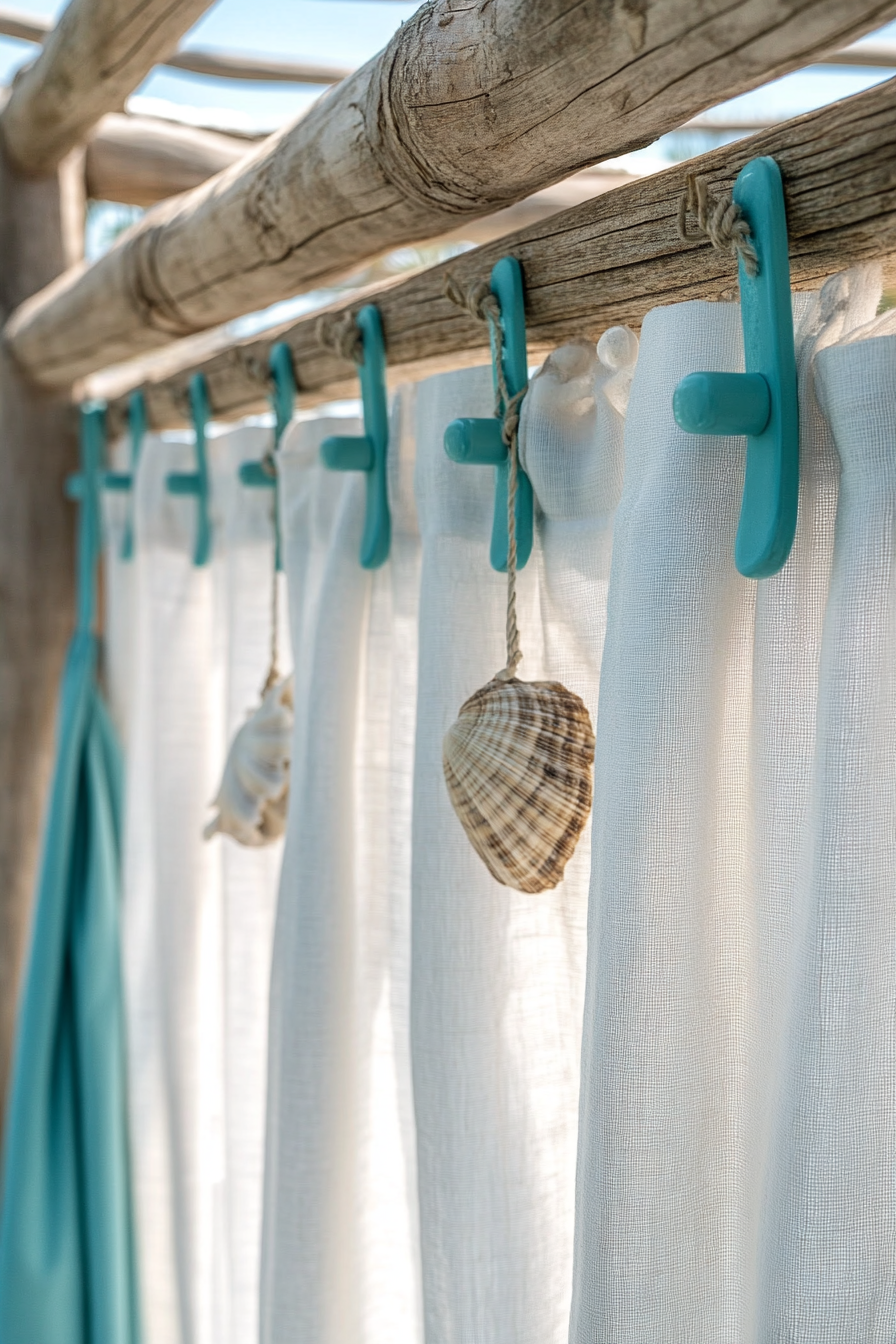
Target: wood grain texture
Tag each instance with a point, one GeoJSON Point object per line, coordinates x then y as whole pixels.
{"type": "Point", "coordinates": [608, 261]}
{"type": "Point", "coordinates": [97, 54]}
{"type": "Point", "coordinates": [470, 108]}
{"type": "Point", "coordinates": [141, 160]}
{"type": "Point", "coordinates": [41, 232]}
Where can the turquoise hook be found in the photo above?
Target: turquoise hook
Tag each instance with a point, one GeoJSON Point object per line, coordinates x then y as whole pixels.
{"type": "Point", "coordinates": [479, 441]}
{"type": "Point", "coordinates": [369, 452]}
{"type": "Point", "coordinates": [196, 482]}
{"type": "Point", "coordinates": [263, 474]}
{"type": "Point", "coordinates": [761, 403]}
{"type": "Point", "coordinates": [121, 481]}
{"type": "Point", "coordinates": [84, 487]}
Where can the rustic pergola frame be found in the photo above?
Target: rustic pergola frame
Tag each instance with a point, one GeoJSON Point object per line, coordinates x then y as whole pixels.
{"type": "Point", "coordinates": [468, 110]}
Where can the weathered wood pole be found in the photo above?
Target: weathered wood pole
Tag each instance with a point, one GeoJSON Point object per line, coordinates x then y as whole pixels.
{"type": "Point", "coordinates": [41, 233]}
{"type": "Point", "coordinates": [470, 108]}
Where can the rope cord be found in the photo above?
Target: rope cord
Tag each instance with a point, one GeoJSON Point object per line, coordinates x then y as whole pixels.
{"type": "Point", "coordinates": [480, 302]}
{"type": "Point", "coordinates": [340, 332]}
{"type": "Point", "coordinates": [721, 220]}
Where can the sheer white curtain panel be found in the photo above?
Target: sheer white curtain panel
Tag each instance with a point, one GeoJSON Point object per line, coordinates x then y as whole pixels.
{"type": "Point", "coordinates": [187, 654]}
{"type": "Point", "coordinates": [497, 980]}
{"type": "Point", "coordinates": [736, 1155]}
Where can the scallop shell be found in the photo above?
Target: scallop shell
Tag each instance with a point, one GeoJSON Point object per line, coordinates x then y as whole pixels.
{"type": "Point", "coordinates": [254, 792]}
{"type": "Point", "coordinates": [518, 767]}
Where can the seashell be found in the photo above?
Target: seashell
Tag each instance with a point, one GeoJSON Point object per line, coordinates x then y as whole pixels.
{"type": "Point", "coordinates": [518, 765]}
{"type": "Point", "coordinates": [254, 792]}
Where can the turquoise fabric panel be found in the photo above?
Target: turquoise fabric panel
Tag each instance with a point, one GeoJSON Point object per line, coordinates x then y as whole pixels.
{"type": "Point", "coordinates": [67, 1263]}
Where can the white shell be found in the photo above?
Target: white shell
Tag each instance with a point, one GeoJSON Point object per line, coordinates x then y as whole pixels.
{"type": "Point", "coordinates": [518, 765]}
{"type": "Point", "coordinates": [254, 792]}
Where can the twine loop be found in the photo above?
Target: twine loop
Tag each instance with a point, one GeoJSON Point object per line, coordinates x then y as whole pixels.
{"type": "Point", "coordinates": [719, 219]}
{"type": "Point", "coordinates": [480, 302]}
{"type": "Point", "coordinates": [339, 332]}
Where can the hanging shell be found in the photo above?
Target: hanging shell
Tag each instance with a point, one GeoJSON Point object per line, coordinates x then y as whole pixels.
{"type": "Point", "coordinates": [254, 792]}
{"type": "Point", "coordinates": [518, 765]}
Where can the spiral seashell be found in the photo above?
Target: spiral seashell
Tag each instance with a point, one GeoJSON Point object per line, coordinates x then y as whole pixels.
{"type": "Point", "coordinates": [518, 765]}
{"type": "Point", "coordinates": [254, 793]}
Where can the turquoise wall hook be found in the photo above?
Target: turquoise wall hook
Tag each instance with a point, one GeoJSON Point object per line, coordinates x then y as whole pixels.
{"type": "Point", "coordinates": [761, 403]}
{"type": "Point", "coordinates": [369, 452]}
{"type": "Point", "coordinates": [479, 441]}
{"type": "Point", "coordinates": [123, 481]}
{"type": "Point", "coordinates": [196, 482]}
{"type": "Point", "coordinates": [263, 475]}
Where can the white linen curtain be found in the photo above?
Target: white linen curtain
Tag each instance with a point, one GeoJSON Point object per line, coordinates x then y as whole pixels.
{"type": "Point", "coordinates": [449, 1157]}
{"type": "Point", "coordinates": [357, 1246]}
{"type": "Point", "coordinates": [498, 975]}
{"type": "Point", "coordinates": [187, 655]}
{"type": "Point", "coordinates": [340, 1239]}
{"type": "Point", "coordinates": [736, 1147]}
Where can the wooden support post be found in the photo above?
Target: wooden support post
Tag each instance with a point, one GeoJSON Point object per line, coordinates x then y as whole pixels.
{"type": "Point", "coordinates": [470, 108]}
{"type": "Point", "coordinates": [41, 233]}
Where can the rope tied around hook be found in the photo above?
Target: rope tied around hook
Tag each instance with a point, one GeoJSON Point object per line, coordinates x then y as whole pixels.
{"type": "Point", "coordinates": [719, 219]}
{"type": "Point", "coordinates": [480, 302]}
{"type": "Point", "coordinates": [340, 332]}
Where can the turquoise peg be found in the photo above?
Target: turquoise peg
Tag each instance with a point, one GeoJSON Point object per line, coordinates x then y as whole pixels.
{"type": "Point", "coordinates": [196, 483]}
{"type": "Point", "coordinates": [123, 481]}
{"type": "Point", "coordinates": [262, 475]}
{"type": "Point", "coordinates": [761, 403]}
{"type": "Point", "coordinates": [369, 452]}
{"type": "Point", "coordinates": [479, 442]}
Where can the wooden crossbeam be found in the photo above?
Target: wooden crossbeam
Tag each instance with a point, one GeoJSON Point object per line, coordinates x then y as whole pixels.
{"type": "Point", "coordinates": [142, 160]}
{"type": "Point", "coordinates": [230, 65]}
{"type": "Point", "coordinates": [97, 54]}
{"type": "Point", "coordinates": [468, 109]}
{"type": "Point", "coordinates": [198, 60]}
{"type": "Point", "coordinates": [605, 262]}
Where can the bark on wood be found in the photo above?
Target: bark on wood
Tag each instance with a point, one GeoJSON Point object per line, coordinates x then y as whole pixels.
{"type": "Point", "coordinates": [607, 261]}
{"type": "Point", "coordinates": [41, 232]}
{"type": "Point", "coordinates": [469, 109]}
{"type": "Point", "coordinates": [96, 55]}
{"type": "Point", "coordinates": [140, 161]}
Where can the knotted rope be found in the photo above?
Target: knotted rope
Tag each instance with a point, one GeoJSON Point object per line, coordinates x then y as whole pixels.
{"type": "Point", "coordinates": [480, 302]}
{"type": "Point", "coordinates": [339, 332]}
{"type": "Point", "coordinates": [721, 220]}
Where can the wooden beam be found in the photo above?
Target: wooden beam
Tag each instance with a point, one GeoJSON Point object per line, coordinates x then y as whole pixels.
{"type": "Point", "coordinates": [140, 160]}
{"type": "Point", "coordinates": [97, 54]}
{"type": "Point", "coordinates": [41, 232]}
{"type": "Point", "coordinates": [228, 65]}
{"type": "Point", "coordinates": [198, 60]}
{"type": "Point", "coordinates": [608, 261]}
{"type": "Point", "coordinates": [469, 109]}
{"type": "Point", "coordinates": [223, 65]}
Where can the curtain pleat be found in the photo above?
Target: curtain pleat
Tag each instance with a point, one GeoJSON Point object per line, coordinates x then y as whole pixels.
{"type": "Point", "coordinates": [710, 737]}
{"type": "Point", "coordinates": [497, 975]}
{"type": "Point", "coordinates": [340, 1255]}
{"type": "Point", "coordinates": [198, 914]}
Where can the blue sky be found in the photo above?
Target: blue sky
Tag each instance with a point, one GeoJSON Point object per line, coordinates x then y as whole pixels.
{"type": "Point", "coordinates": [347, 32]}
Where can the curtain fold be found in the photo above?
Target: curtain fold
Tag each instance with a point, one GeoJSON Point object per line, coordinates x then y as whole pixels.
{"type": "Point", "coordinates": [712, 734]}
{"type": "Point", "coordinates": [198, 914]}
{"type": "Point", "coordinates": [340, 1258]}
{"type": "Point", "coordinates": [497, 975]}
